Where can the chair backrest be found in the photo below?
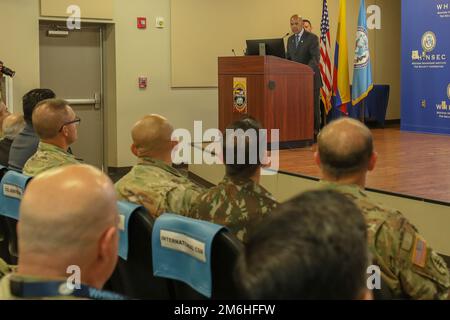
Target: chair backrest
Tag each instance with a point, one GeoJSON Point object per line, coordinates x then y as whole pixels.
{"type": "Point", "coordinates": [126, 210]}
{"type": "Point", "coordinates": [197, 255]}
{"type": "Point", "coordinates": [133, 277]}
{"type": "Point", "coordinates": [4, 241]}
{"type": "Point", "coordinates": [12, 188]}
{"type": "Point", "coordinates": [11, 192]}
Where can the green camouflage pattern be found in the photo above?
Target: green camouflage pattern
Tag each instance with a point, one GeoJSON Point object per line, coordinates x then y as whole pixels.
{"type": "Point", "coordinates": [158, 187]}
{"type": "Point", "coordinates": [4, 268]}
{"type": "Point", "coordinates": [47, 157]}
{"type": "Point", "coordinates": [235, 203]}
{"type": "Point", "coordinates": [409, 266]}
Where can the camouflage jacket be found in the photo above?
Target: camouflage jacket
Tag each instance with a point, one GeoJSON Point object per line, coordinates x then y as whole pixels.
{"type": "Point", "coordinates": [158, 187]}
{"type": "Point", "coordinates": [409, 266]}
{"type": "Point", "coordinates": [47, 157]}
{"type": "Point", "coordinates": [4, 268]}
{"type": "Point", "coordinates": [47, 287]}
{"type": "Point", "coordinates": [236, 203]}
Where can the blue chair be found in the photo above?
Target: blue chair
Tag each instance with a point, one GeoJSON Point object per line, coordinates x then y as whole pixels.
{"type": "Point", "coordinates": [197, 255]}
{"type": "Point", "coordinates": [133, 276]}
{"type": "Point", "coordinates": [12, 188]}
{"type": "Point", "coordinates": [126, 210]}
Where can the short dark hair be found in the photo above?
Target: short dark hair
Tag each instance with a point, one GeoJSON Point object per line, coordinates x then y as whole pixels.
{"type": "Point", "coordinates": [32, 98]}
{"type": "Point", "coordinates": [344, 155]}
{"type": "Point", "coordinates": [306, 20]}
{"type": "Point", "coordinates": [312, 247]}
{"type": "Point", "coordinates": [232, 148]}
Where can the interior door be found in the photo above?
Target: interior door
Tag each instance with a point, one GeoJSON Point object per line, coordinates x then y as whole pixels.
{"type": "Point", "coordinates": [71, 65]}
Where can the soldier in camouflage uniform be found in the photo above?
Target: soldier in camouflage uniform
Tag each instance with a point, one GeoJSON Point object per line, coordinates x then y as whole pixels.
{"type": "Point", "coordinates": [239, 201]}
{"type": "Point", "coordinates": [153, 182]}
{"type": "Point", "coordinates": [409, 266]}
{"type": "Point", "coordinates": [56, 125]}
{"type": "Point", "coordinates": [65, 225]}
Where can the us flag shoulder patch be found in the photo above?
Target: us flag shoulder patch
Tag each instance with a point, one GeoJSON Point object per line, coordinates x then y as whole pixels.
{"type": "Point", "coordinates": [419, 257]}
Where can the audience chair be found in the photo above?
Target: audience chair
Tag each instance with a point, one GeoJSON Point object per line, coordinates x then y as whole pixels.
{"type": "Point", "coordinates": [133, 276]}
{"type": "Point", "coordinates": [12, 188]}
{"type": "Point", "coordinates": [197, 255]}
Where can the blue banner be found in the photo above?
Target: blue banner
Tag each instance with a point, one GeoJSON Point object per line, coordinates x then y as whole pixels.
{"type": "Point", "coordinates": [362, 73]}
{"type": "Point", "coordinates": [426, 66]}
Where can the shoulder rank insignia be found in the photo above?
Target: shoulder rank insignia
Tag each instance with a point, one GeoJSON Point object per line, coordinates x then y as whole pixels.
{"type": "Point", "coordinates": [438, 263]}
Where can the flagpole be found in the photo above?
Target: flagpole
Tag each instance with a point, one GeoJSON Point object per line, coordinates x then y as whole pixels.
{"type": "Point", "coordinates": [362, 115]}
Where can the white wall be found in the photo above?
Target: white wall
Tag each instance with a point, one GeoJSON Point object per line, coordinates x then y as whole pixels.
{"type": "Point", "coordinates": [147, 53]}
{"type": "Point", "coordinates": [19, 48]}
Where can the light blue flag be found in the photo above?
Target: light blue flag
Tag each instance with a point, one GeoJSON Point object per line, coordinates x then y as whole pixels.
{"type": "Point", "coordinates": [362, 73]}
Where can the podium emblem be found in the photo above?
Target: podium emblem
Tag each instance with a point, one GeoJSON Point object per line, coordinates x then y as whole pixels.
{"type": "Point", "coordinates": [240, 95]}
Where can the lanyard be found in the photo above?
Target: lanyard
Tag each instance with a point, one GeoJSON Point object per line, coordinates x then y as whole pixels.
{"type": "Point", "coordinates": [53, 289]}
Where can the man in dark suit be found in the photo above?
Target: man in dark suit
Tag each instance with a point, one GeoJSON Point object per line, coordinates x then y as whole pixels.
{"type": "Point", "coordinates": [26, 143]}
{"type": "Point", "coordinates": [303, 47]}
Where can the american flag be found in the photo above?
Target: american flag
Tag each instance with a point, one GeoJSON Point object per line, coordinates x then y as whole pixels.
{"type": "Point", "coordinates": [325, 61]}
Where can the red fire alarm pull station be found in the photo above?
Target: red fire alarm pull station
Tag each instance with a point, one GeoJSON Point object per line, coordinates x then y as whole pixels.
{"type": "Point", "coordinates": [142, 82]}
{"type": "Point", "coordinates": [142, 23]}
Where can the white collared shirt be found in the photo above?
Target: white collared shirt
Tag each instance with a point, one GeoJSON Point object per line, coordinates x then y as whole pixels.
{"type": "Point", "coordinates": [299, 35]}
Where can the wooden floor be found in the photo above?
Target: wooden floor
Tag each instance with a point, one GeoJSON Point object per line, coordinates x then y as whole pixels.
{"type": "Point", "coordinates": [408, 163]}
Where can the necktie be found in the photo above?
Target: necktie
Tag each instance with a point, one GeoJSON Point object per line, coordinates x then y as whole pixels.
{"type": "Point", "coordinates": [297, 39]}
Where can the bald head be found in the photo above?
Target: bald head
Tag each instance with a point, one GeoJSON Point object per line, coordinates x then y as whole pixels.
{"type": "Point", "coordinates": [13, 125]}
{"type": "Point", "coordinates": [152, 136]}
{"type": "Point", "coordinates": [49, 116]}
{"type": "Point", "coordinates": [296, 17]}
{"type": "Point", "coordinates": [66, 209]}
{"type": "Point", "coordinates": [345, 146]}
{"type": "Point", "coordinates": [296, 23]}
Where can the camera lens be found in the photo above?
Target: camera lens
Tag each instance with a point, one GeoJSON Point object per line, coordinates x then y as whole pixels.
{"type": "Point", "coordinates": [8, 72]}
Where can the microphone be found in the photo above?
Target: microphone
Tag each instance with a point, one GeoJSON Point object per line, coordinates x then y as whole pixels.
{"type": "Point", "coordinates": [234, 52]}
{"type": "Point", "coordinates": [286, 35]}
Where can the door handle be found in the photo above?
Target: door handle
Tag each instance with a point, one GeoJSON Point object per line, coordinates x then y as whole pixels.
{"type": "Point", "coordinates": [96, 101]}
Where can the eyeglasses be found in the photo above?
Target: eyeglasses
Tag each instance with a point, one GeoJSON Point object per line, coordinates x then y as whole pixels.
{"type": "Point", "coordinates": [76, 121]}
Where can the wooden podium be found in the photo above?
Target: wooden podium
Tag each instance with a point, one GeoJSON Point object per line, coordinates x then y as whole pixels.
{"type": "Point", "coordinates": [279, 94]}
